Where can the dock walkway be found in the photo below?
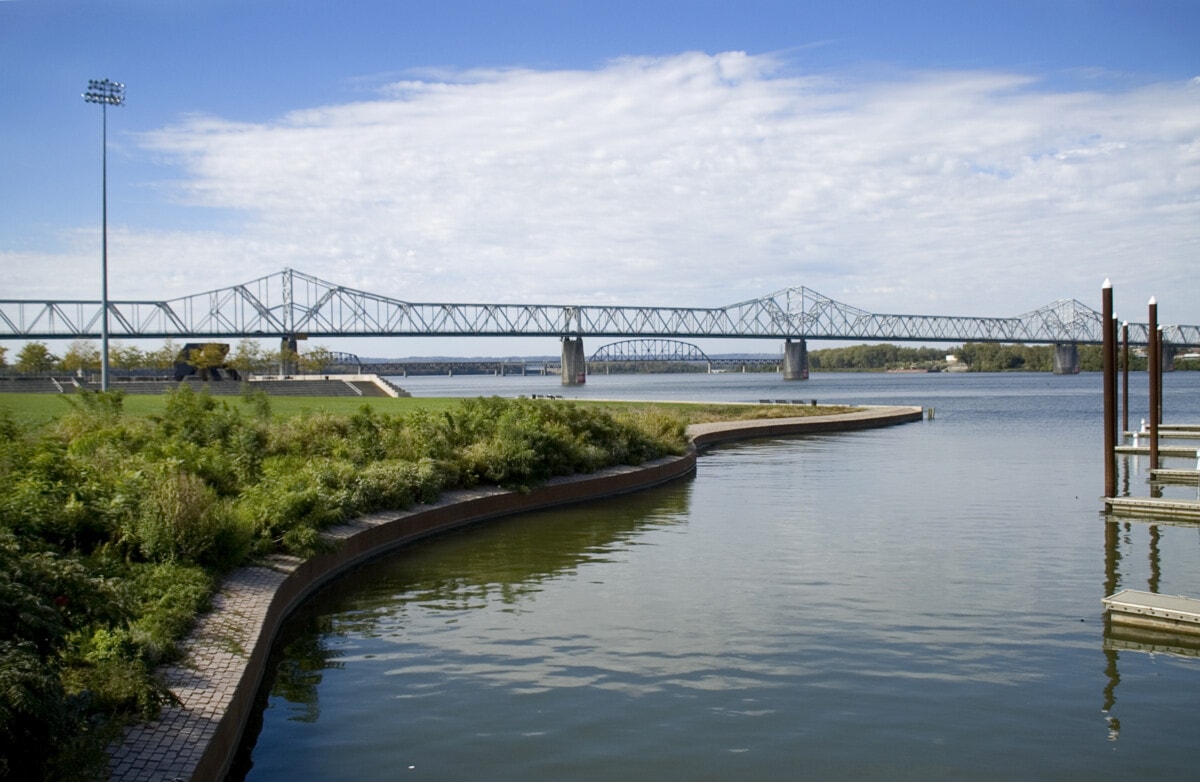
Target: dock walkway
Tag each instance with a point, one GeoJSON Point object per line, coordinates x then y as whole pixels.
{"type": "Point", "coordinates": [1153, 508]}
{"type": "Point", "coordinates": [1150, 610]}
{"type": "Point", "coordinates": [1163, 450]}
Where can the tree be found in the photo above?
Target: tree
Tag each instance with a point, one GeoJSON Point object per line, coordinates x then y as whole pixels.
{"type": "Point", "coordinates": [35, 357]}
{"type": "Point", "coordinates": [3, 356]}
{"type": "Point", "coordinates": [81, 354]}
{"type": "Point", "coordinates": [164, 357]}
{"type": "Point", "coordinates": [314, 361]}
{"type": "Point", "coordinates": [247, 357]}
{"type": "Point", "coordinates": [126, 357]}
{"type": "Point", "coordinates": [208, 356]}
{"type": "Point", "coordinates": [282, 361]}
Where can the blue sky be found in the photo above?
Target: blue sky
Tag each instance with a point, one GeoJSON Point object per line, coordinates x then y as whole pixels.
{"type": "Point", "coordinates": [966, 158]}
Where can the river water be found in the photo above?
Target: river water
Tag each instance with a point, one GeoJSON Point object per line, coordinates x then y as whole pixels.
{"type": "Point", "coordinates": [916, 602]}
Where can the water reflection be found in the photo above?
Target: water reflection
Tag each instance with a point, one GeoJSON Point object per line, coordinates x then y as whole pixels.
{"type": "Point", "coordinates": [503, 563]}
{"type": "Point", "coordinates": [1122, 637]}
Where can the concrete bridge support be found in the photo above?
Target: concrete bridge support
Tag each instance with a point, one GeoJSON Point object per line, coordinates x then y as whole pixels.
{"type": "Point", "coordinates": [1066, 359]}
{"type": "Point", "coordinates": [574, 363]}
{"type": "Point", "coordinates": [289, 350]}
{"type": "Point", "coordinates": [795, 360]}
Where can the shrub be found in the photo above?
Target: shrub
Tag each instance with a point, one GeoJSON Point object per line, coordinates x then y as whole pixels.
{"type": "Point", "coordinates": [182, 519]}
{"type": "Point", "coordinates": [295, 499]}
{"type": "Point", "coordinates": [395, 484]}
{"type": "Point", "coordinates": [168, 596]}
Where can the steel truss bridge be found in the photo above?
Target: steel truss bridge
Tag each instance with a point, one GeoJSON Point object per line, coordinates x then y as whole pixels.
{"type": "Point", "coordinates": [668, 351]}
{"type": "Point", "coordinates": [293, 304]}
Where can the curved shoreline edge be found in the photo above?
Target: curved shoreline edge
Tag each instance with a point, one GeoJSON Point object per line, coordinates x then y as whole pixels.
{"type": "Point", "coordinates": [224, 659]}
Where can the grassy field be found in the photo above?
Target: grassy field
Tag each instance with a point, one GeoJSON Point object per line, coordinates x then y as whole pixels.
{"type": "Point", "coordinates": [40, 408]}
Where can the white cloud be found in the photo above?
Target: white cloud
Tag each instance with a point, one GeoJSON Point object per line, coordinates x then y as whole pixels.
{"type": "Point", "coordinates": [699, 180]}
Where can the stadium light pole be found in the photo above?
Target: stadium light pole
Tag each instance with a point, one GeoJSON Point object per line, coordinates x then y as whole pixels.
{"type": "Point", "coordinates": [106, 93]}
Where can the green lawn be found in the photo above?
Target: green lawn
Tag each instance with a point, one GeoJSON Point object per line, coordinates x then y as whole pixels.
{"type": "Point", "coordinates": [40, 408]}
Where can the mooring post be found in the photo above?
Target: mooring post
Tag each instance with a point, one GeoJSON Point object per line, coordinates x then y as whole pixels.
{"type": "Point", "coordinates": [1110, 453]}
{"type": "Point", "coordinates": [1113, 346]}
{"type": "Point", "coordinates": [1125, 376]}
{"type": "Point", "coordinates": [1152, 336]}
{"type": "Point", "coordinates": [1162, 367]}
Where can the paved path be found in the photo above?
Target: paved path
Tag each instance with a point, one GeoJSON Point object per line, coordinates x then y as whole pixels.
{"type": "Point", "coordinates": [223, 659]}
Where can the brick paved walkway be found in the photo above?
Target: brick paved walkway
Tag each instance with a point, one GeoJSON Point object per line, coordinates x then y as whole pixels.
{"type": "Point", "coordinates": [215, 656]}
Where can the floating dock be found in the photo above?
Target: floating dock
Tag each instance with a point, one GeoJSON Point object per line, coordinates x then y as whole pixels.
{"type": "Point", "coordinates": [1194, 428]}
{"type": "Point", "coordinates": [1163, 450]}
{"type": "Point", "coordinates": [1161, 613]}
{"type": "Point", "coordinates": [1181, 434]}
{"type": "Point", "coordinates": [1176, 477]}
{"type": "Point", "coordinates": [1153, 508]}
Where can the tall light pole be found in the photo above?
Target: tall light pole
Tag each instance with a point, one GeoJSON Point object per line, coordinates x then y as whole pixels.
{"type": "Point", "coordinates": [106, 93]}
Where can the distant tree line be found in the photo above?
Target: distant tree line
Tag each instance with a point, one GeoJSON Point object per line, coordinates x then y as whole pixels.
{"type": "Point", "coordinates": [975, 356]}
{"type": "Point", "coordinates": [868, 358]}
{"type": "Point", "coordinates": [83, 355]}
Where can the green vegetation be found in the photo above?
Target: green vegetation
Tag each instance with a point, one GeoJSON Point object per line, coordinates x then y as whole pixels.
{"type": "Point", "coordinates": [994, 357]}
{"type": "Point", "coordinates": [974, 356]}
{"type": "Point", "coordinates": [874, 358]}
{"type": "Point", "coordinates": [114, 527]}
{"type": "Point", "coordinates": [83, 355]}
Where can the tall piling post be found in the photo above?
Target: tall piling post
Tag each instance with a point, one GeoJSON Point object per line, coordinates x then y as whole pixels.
{"type": "Point", "coordinates": [1162, 367]}
{"type": "Point", "coordinates": [1125, 376]}
{"type": "Point", "coordinates": [1115, 386]}
{"type": "Point", "coordinates": [1152, 337]}
{"type": "Point", "coordinates": [1110, 453]}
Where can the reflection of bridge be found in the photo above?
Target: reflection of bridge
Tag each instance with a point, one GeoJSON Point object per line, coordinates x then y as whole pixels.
{"type": "Point", "coordinates": [290, 305]}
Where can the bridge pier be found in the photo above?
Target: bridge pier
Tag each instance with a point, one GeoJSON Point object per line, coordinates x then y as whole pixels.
{"type": "Point", "coordinates": [289, 350]}
{"type": "Point", "coordinates": [795, 360]}
{"type": "Point", "coordinates": [574, 363]}
{"type": "Point", "coordinates": [1066, 359]}
{"type": "Point", "coordinates": [1166, 358]}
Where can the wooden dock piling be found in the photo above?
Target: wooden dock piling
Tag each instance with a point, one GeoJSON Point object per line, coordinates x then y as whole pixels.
{"type": "Point", "coordinates": [1110, 406]}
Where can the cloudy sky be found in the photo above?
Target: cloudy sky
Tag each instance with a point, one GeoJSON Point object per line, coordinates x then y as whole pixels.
{"type": "Point", "coordinates": [962, 158]}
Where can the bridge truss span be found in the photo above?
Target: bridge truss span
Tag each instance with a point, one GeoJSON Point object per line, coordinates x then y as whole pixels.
{"type": "Point", "coordinates": [291, 303]}
{"type": "Point", "coordinates": [650, 350]}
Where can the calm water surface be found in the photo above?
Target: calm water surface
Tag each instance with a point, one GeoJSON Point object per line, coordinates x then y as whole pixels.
{"type": "Point", "coordinates": [917, 602]}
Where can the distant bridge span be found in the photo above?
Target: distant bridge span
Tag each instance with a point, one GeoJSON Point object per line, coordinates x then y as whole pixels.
{"type": "Point", "coordinates": [290, 304]}
{"type": "Point", "coordinates": [650, 350]}
{"type": "Point", "coordinates": [669, 351]}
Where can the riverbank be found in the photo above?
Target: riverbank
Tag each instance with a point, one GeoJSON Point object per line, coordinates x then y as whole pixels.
{"type": "Point", "coordinates": [225, 656]}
